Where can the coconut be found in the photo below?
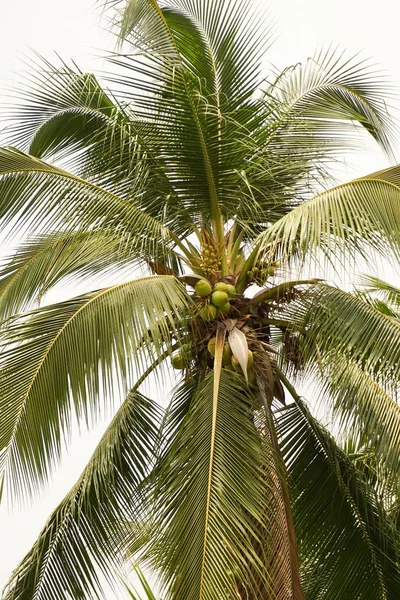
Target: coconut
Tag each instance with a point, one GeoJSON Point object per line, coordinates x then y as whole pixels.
{"type": "Point", "coordinates": [220, 287]}
{"type": "Point", "coordinates": [235, 363]}
{"type": "Point", "coordinates": [203, 288]}
{"type": "Point", "coordinates": [209, 312]}
{"type": "Point", "coordinates": [178, 361]}
{"type": "Point", "coordinates": [251, 376]}
{"type": "Point", "coordinates": [226, 355]}
{"type": "Point", "coordinates": [250, 359]}
{"type": "Point", "coordinates": [211, 346]}
{"type": "Point", "coordinates": [225, 308]}
{"type": "Point", "coordinates": [231, 290]}
{"type": "Point", "coordinates": [219, 298]}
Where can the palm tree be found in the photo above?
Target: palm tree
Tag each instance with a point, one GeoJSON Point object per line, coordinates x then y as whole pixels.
{"type": "Point", "coordinates": [200, 179]}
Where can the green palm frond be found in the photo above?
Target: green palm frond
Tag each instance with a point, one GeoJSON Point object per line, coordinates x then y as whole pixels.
{"type": "Point", "coordinates": [234, 29]}
{"type": "Point", "coordinates": [189, 93]}
{"type": "Point", "coordinates": [85, 531]}
{"type": "Point", "coordinates": [204, 36]}
{"type": "Point", "coordinates": [181, 110]}
{"type": "Point", "coordinates": [334, 320]}
{"type": "Point", "coordinates": [63, 110]}
{"type": "Point", "coordinates": [212, 526]}
{"type": "Point", "coordinates": [145, 585]}
{"type": "Point", "coordinates": [365, 211]}
{"type": "Point", "coordinates": [44, 261]}
{"type": "Point", "coordinates": [348, 544]}
{"type": "Point", "coordinates": [385, 290]}
{"type": "Point", "coordinates": [350, 349]}
{"type": "Point", "coordinates": [325, 98]}
{"type": "Point", "coordinates": [52, 198]}
{"type": "Point", "coordinates": [68, 116]}
{"type": "Point", "coordinates": [366, 411]}
{"type": "Point", "coordinates": [60, 359]}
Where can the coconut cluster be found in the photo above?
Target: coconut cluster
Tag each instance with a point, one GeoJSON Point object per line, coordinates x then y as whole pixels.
{"type": "Point", "coordinates": [260, 273]}
{"type": "Point", "coordinates": [216, 298]}
{"type": "Point", "coordinates": [214, 301]}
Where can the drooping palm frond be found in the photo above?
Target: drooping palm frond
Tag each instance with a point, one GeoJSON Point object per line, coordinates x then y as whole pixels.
{"type": "Point", "coordinates": [335, 320]}
{"type": "Point", "coordinates": [44, 261]}
{"type": "Point", "coordinates": [211, 493]}
{"type": "Point", "coordinates": [385, 290]}
{"type": "Point", "coordinates": [45, 197]}
{"type": "Point", "coordinates": [68, 116]}
{"type": "Point", "coordinates": [366, 411]}
{"type": "Point", "coordinates": [85, 531]}
{"type": "Point", "coordinates": [349, 349]}
{"type": "Point", "coordinates": [347, 218]}
{"type": "Point", "coordinates": [310, 117]}
{"type": "Point", "coordinates": [325, 98]}
{"type": "Point", "coordinates": [348, 545]}
{"type": "Point", "coordinates": [71, 121]}
{"type": "Point", "coordinates": [60, 359]}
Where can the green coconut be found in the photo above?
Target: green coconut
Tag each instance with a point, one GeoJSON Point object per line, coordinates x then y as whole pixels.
{"type": "Point", "coordinates": [250, 359]}
{"type": "Point", "coordinates": [221, 287]}
{"type": "Point", "coordinates": [235, 363]}
{"type": "Point", "coordinates": [231, 290]}
{"type": "Point", "coordinates": [203, 288]}
{"type": "Point", "coordinates": [211, 346]}
{"type": "Point", "coordinates": [208, 312]}
{"type": "Point", "coordinates": [178, 361]}
{"type": "Point", "coordinates": [186, 351]}
{"type": "Point", "coordinates": [251, 376]}
{"type": "Point", "coordinates": [226, 355]}
{"type": "Point", "coordinates": [225, 308]}
{"type": "Point", "coordinates": [219, 298]}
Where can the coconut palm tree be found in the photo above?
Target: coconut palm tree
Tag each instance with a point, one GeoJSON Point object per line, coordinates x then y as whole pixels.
{"type": "Point", "coordinates": [205, 184]}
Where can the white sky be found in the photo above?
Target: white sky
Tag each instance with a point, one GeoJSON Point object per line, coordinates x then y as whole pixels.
{"type": "Point", "coordinates": [72, 29]}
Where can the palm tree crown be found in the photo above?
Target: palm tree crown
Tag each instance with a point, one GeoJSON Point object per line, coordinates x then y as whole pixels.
{"type": "Point", "coordinates": [201, 179]}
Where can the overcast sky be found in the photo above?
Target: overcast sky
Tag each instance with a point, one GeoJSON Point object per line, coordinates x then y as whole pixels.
{"type": "Point", "coordinates": [73, 29]}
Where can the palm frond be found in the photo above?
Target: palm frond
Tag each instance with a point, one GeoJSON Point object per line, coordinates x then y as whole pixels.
{"type": "Point", "coordinates": [385, 290]}
{"type": "Point", "coordinates": [236, 37]}
{"type": "Point", "coordinates": [60, 359]}
{"type": "Point", "coordinates": [348, 218]}
{"type": "Point", "coordinates": [366, 411]}
{"type": "Point", "coordinates": [80, 108]}
{"type": "Point", "coordinates": [44, 261]}
{"type": "Point", "coordinates": [189, 76]}
{"type": "Point", "coordinates": [348, 544]}
{"type": "Point", "coordinates": [145, 585]}
{"type": "Point", "coordinates": [337, 321]}
{"type": "Point", "coordinates": [325, 98]}
{"type": "Point", "coordinates": [84, 532]}
{"type": "Point", "coordinates": [45, 197]}
{"type": "Point", "coordinates": [211, 522]}
{"type": "Point", "coordinates": [67, 116]}
{"type": "Point", "coordinates": [349, 349]}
